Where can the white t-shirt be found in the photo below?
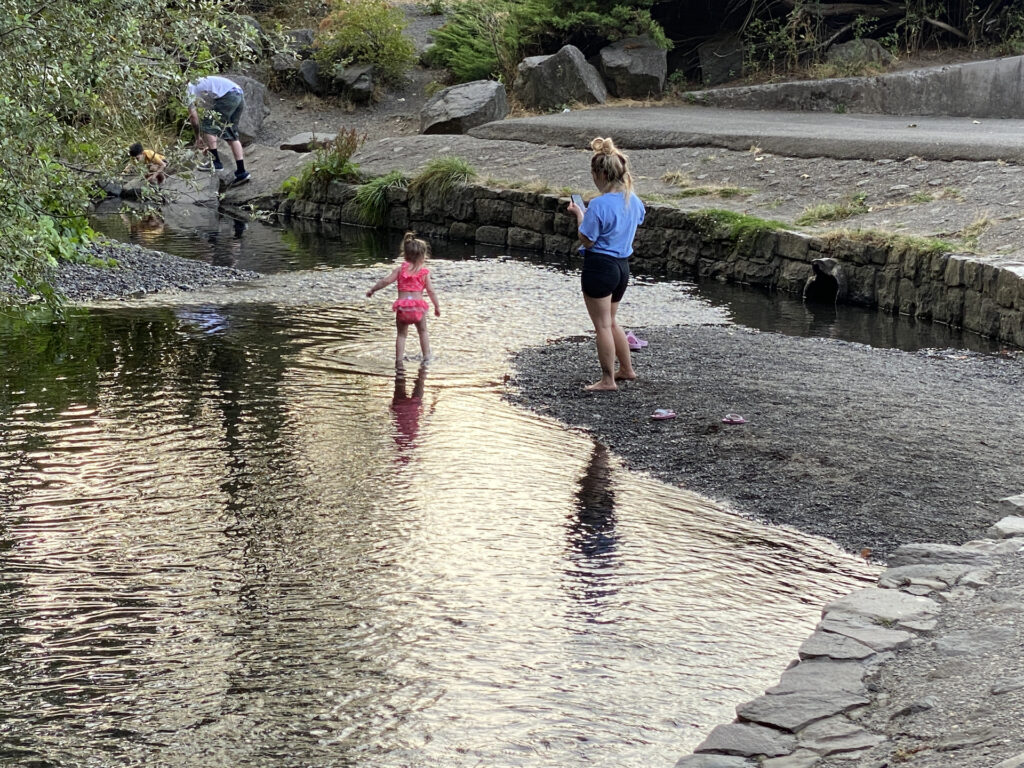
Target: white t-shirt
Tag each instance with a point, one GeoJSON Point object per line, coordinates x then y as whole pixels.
{"type": "Point", "coordinates": [207, 90]}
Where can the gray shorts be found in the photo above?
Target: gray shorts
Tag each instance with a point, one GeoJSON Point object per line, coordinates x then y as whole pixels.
{"type": "Point", "coordinates": [222, 118]}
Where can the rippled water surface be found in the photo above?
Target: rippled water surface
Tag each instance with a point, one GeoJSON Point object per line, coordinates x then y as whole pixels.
{"type": "Point", "coordinates": [231, 535]}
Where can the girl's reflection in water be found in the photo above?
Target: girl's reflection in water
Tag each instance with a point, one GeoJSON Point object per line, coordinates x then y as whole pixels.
{"type": "Point", "coordinates": [406, 409]}
{"type": "Point", "coordinates": [592, 533]}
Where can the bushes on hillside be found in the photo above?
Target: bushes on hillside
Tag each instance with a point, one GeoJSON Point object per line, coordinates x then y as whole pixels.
{"type": "Point", "coordinates": [488, 38]}
{"type": "Point", "coordinates": [366, 32]}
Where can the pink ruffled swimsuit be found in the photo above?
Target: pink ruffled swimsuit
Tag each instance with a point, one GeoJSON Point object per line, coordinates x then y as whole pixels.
{"type": "Point", "coordinates": [411, 310]}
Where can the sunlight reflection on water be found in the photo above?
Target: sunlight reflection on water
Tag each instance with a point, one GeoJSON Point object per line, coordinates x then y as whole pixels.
{"type": "Point", "coordinates": [232, 537]}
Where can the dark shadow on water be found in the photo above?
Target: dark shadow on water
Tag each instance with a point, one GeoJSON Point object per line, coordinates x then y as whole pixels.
{"type": "Point", "coordinates": [790, 315]}
{"type": "Point", "coordinates": [299, 244]}
{"type": "Point", "coordinates": [593, 538]}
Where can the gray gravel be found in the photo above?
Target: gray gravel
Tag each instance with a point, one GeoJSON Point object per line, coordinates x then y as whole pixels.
{"type": "Point", "coordinates": [871, 448]}
{"type": "Point", "coordinates": [137, 272]}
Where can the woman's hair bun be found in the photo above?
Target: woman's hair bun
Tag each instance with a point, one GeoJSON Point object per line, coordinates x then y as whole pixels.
{"type": "Point", "coordinates": [603, 146]}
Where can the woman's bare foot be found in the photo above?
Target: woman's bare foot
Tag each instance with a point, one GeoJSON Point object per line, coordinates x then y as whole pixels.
{"type": "Point", "coordinates": [601, 386]}
{"type": "Point", "coordinates": [625, 377]}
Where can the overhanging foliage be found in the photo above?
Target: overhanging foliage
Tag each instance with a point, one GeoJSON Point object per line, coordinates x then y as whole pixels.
{"type": "Point", "coordinates": [79, 81]}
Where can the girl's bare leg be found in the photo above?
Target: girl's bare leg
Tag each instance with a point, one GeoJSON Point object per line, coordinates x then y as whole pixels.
{"type": "Point", "coordinates": [421, 328]}
{"type": "Point", "coordinates": [401, 331]}
{"type": "Point", "coordinates": [625, 371]}
{"type": "Point", "coordinates": [600, 311]}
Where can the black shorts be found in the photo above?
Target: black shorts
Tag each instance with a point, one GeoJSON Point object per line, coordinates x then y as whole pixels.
{"type": "Point", "coordinates": [604, 275]}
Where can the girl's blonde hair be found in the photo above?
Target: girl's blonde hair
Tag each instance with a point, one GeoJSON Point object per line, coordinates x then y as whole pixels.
{"type": "Point", "coordinates": [610, 161]}
{"type": "Point", "coordinates": [414, 250]}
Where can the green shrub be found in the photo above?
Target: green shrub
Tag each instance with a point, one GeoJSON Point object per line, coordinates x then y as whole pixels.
{"type": "Point", "coordinates": [367, 32]}
{"type": "Point", "coordinates": [488, 38]}
{"type": "Point", "coordinates": [372, 197]}
{"type": "Point", "coordinates": [480, 40]}
{"type": "Point", "coordinates": [549, 24]}
{"type": "Point", "coordinates": [331, 162]}
{"type": "Point", "coordinates": [442, 175]}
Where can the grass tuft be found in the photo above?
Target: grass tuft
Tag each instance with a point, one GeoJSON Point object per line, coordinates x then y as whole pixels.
{"type": "Point", "coordinates": [371, 199]}
{"type": "Point", "coordinates": [442, 175]}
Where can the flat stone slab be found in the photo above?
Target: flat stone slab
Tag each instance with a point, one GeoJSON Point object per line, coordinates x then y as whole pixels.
{"type": "Point", "coordinates": [935, 575]}
{"type": "Point", "coordinates": [833, 646]}
{"type": "Point", "coordinates": [913, 554]}
{"type": "Point", "coordinates": [1015, 503]}
{"type": "Point", "coordinates": [837, 734]}
{"type": "Point", "coordinates": [308, 141]}
{"type": "Point", "coordinates": [821, 675]}
{"type": "Point", "coordinates": [866, 632]}
{"type": "Point", "coordinates": [793, 711]}
{"type": "Point", "coordinates": [802, 758]}
{"type": "Point", "coordinates": [885, 606]}
{"type": "Point", "coordinates": [748, 740]}
{"type": "Point", "coordinates": [714, 761]}
{"type": "Point", "coordinates": [1007, 528]}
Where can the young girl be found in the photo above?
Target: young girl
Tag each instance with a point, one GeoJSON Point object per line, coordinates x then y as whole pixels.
{"type": "Point", "coordinates": [410, 308]}
{"type": "Point", "coordinates": [607, 228]}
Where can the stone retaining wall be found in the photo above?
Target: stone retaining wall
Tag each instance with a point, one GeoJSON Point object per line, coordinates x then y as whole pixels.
{"type": "Point", "coordinates": [897, 275]}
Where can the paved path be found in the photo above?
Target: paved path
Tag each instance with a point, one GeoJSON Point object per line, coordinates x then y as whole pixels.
{"type": "Point", "coordinates": [795, 134]}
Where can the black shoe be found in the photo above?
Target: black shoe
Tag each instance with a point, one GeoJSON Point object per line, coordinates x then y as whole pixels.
{"type": "Point", "coordinates": [218, 165]}
{"type": "Point", "coordinates": [241, 177]}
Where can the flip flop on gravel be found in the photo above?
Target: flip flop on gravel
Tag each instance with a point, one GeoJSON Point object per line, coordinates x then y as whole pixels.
{"type": "Point", "coordinates": [733, 418]}
{"type": "Point", "coordinates": [663, 413]}
{"type": "Point", "coordinates": [634, 342]}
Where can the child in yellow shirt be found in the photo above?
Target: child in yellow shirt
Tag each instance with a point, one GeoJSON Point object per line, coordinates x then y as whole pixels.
{"type": "Point", "coordinates": [156, 164]}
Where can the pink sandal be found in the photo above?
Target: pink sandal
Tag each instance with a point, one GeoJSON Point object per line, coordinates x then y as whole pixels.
{"type": "Point", "coordinates": [733, 418]}
{"type": "Point", "coordinates": [663, 413]}
{"type": "Point", "coordinates": [634, 342]}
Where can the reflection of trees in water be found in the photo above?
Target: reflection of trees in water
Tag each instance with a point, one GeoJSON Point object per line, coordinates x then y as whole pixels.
{"type": "Point", "coordinates": [592, 531]}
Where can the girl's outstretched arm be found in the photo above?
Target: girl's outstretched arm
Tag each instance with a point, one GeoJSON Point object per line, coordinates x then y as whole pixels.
{"type": "Point", "coordinates": [385, 281]}
{"type": "Point", "coordinates": [433, 297]}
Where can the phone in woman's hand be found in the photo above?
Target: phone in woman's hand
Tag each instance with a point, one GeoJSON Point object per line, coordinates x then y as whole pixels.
{"type": "Point", "coordinates": [578, 202]}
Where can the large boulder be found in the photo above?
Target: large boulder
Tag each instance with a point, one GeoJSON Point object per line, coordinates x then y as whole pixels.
{"type": "Point", "coordinates": [721, 59]}
{"type": "Point", "coordinates": [634, 68]}
{"type": "Point", "coordinates": [298, 46]}
{"type": "Point", "coordinates": [547, 82]}
{"type": "Point", "coordinates": [355, 81]}
{"type": "Point", "coordinates": [309, 77]}
{"type": "Point", "coordinates": [461, 107]}
{"type": "Point", "coordinates": [857, 53]}
{"type": "Point", "coordinates": [300, 41]}
{"type": "Point", "coordinates": [257, 107]}
{"type": "Point", "coordinates": [308, 141]}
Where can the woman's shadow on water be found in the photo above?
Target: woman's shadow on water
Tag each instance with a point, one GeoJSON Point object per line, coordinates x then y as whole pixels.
{"type": "Point", "coordinates": [406, 408]}
{"type": "Point", "coordinates": [593, 539]}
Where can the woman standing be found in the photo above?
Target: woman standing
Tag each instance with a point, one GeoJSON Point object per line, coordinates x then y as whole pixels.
{"type": "Point", "coordinates": [607, 228]}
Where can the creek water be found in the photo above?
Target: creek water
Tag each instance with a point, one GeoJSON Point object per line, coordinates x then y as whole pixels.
{"type": "Point", "coordinates": [232, 535]}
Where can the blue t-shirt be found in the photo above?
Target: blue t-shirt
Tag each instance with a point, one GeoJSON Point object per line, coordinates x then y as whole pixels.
{"type": "Point", "coordinates": [611, 225]}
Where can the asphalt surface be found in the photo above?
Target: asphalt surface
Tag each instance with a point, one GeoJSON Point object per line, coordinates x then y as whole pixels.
{"type": "Point", "coordinates": [794, 134]}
